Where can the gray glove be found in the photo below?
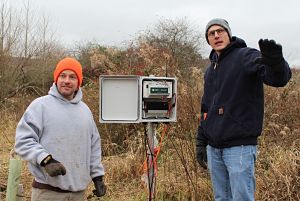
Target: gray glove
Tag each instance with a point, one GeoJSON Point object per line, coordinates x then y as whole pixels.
{"type": "Point", "coordinates": [53, 167]}
{"type": "Point", "coordinates": [271, 52]}
{"type": "Point", "coordinates": [100, 188]}
{"type": "Point", "coordinates": [201, 156]}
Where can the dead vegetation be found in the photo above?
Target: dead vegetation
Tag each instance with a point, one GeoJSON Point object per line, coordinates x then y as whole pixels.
{"type": "Point", "coordinates": [162, 52]}
{"type": "Point", "coordinates": [179, 176]}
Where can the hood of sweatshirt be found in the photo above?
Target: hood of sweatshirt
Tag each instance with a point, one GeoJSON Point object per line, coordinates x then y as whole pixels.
{"type": "Point", "coordinates": [235, 43]}
{"type": "Point", "coordinates": [54, 92]}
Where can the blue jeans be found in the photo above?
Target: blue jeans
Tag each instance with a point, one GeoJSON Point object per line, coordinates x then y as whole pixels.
{"type": "Point", "coordinates": [232, 172]}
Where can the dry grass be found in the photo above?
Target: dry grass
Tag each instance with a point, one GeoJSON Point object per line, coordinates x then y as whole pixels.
{"type": "Point", "coordinates": [278, 173]}
{"type": "Point", "coordinates": [179, 177]}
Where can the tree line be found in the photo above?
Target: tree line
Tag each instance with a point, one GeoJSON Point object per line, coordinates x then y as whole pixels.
{"type": "Point", "coordinates": [29, 52]}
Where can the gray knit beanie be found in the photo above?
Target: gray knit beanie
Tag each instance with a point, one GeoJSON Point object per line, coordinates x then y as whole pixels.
{"type": "Point", "coordinates": [218, 21]}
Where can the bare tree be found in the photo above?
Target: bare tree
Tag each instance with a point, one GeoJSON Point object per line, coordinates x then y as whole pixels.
{"type": "Point", "coordinates": [27, 50]}
{"type": "Point", "coordinates": [181, 39]}
{"type": "Point", "coordinates": [10, 29]}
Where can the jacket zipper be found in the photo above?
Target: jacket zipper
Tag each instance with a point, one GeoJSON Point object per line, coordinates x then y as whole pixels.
{"type": "Point", "coordinates": [215, 82]}
{"type": "Point", "coordinates": [215, 66]}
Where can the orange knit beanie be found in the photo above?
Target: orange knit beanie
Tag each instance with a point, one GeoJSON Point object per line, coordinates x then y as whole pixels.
{"type": "Point", "coordinates": [69, 64]}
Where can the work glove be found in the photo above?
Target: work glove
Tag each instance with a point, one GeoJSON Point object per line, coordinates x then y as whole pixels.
{"type": "Point", "coordinates": [271, 52]}
{"type": "Point", "coordinates": [100, 188]}
{"type": "Point", "coordinates": [53, 167]}
{"type": "Point", "coordinates": [201, 156]}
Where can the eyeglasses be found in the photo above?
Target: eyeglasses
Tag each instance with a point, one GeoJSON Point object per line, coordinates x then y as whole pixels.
{"type": "Point", "coordinates": [212, 34]}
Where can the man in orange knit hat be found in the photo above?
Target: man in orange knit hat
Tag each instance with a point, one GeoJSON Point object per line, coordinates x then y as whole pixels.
{"type": "Point", "coordinates": [58, 137]}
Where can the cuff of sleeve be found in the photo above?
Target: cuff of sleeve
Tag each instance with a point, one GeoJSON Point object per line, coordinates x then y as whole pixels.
{"type": "Point", "coordinates": [41, 157]}
{"type": "Point", "coordinates": [278, 67]}
{"type": "Point", "coordinates": [98, 178]}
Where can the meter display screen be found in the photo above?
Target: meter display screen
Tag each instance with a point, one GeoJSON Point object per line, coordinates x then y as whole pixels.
{"type": "Point", "coordinates": [159, 90]}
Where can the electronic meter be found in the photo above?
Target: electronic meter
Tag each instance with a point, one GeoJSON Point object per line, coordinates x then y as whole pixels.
{"type": "Point", "coordinates": [134, 99]}
{"type": "Point", "coordinates": [157, 102]}
{"type": "Point", "coordinates": [157, 89]}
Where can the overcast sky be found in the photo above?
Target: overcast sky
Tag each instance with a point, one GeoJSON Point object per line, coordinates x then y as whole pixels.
{"type": "Point", "coordinates": [112, 22]}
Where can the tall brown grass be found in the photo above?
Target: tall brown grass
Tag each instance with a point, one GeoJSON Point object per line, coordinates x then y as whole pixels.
{"type": "Point", "coordinates": [179, 176]}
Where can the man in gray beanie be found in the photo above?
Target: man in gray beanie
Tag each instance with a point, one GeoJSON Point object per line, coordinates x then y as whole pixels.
{"type": "Point", "coordinates": [232, 108]}
{"type": "Point", "coordinates": [221, 22]}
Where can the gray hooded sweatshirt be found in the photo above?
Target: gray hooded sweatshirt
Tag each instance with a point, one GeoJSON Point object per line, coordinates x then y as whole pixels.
{"type": "Point", "coordinates": [65, 129]}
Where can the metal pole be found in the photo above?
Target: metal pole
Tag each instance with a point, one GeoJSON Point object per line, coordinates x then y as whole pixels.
{"type": "Point", "coordinates": [150, 160]}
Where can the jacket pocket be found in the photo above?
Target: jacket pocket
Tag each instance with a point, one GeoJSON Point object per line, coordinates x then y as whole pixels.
{"type": "Point", "coordinates": [222, 126]}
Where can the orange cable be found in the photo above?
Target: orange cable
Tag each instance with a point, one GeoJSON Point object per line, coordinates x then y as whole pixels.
{"type": "Point", "coordinates": [156, 153]}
